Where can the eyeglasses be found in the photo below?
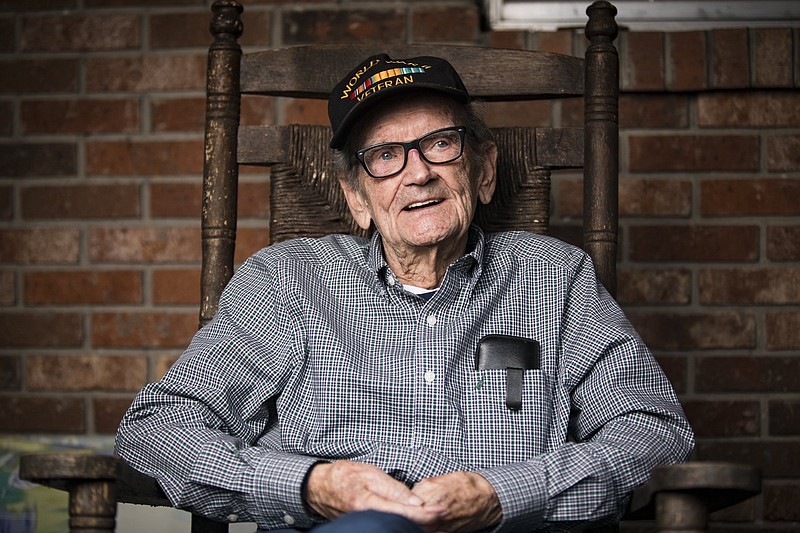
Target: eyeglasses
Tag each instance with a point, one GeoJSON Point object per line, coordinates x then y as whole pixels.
{"type": "Point", "coordinates": [437, 147]}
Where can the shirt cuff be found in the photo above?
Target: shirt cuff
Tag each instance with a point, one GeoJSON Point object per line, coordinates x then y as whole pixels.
{"type": "Point", "coordinates": [278, 494]}
{"type": "Point", "coordinates": [522, 491]}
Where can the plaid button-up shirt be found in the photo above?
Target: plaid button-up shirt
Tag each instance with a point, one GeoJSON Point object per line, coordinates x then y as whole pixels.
{"type": "Point", "coordinates": [317, 352]}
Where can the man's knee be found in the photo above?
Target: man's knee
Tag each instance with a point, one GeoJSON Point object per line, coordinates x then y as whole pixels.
{"type": "Point", "coordinates": [370, 521]}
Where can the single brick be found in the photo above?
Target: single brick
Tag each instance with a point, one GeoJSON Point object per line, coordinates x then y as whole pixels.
{"type": "Point", "coordinates": [34, 5]}
{"type": "Point", "coordinates": [748, 109]}
{"type": "Point", "coordinates": [28, 76]}
{"type": "Point", "coordinates": [763, 286]}
{"type": "Point", "coordinates": [690, 153]}
{"type": "Point", "coordinates": [784, 417]}
{"type": "Point", "coordinates": [750, 197]}
{"type": "Point", "coordinates": [687, 60]}
{"type": "Point", "coordinates": [8, 289]}
{"type": "Point", "coordinates": [145, 73]}
{"type": "Point", "coordinates": [79, 32]}
{"type": "Point", "coordinates": [179, 30]}
{"type": "Point", "coordinates": [732, 244]}
{"type": "Point", "coordinates": [40, 330]}
{"type": "Point", "coordinates": [80, 202]}
{"type": "Point", "coordinates": [747, 374]}
{"type": "Point", "coordinates": [637, 197]}
{"type": "Point", "coordinates": [309, 26]}
{"type": "Point", "coordinates": [433, 23]}
{"type": "Point", "coordinates": [6, 119]}
{"type": "Point", "coordinates": [660, 286]}
{"type": "Point", "coordinates": [28, 414]}
{"type": "Point", "coordinates": [724, 418]}
{"type": "Point", "coordinates": [144, 245]}
{"type": "Point", "coordinates": [142, 329]}
{"type": "Point", "coordinates": [780, 502]}
{"type": "Point", "coordinates": [178, 114]}
{"type": "Point", "coordinates": [149, 158]}
{"type": "Point", "coordinates": [39, 246]}
{"type": "Point", "coordinates": [38, 160]}
{"type": "Point", "coordinates": [6, 202]}
{"type": "Point", "coordinates": [730, 58]}
{"type": "Point", "coordinates": [652, 111]}
{"type": "Point", "coordinates": [176, 199]}
{"type": "Point", "coordinates": [79, 117]}
{"type": "Point", "coordinates": [783, 153]}
{"type": "Point", "coordinates": [7, 36]}
{"type": "Point", "coordinates": [643, 68]}
{"type": "Point", "coordinates": [783, 243]}
{"type": "Point", "coordinates": [783, 330]}
{"type": "Point", "coordinates": [83, 373]}
{"type": "Point", "coordinates": [82, 287]}
{"type": "Point", "coordinates": [10, 372]}
{"type": "Point", "coordinates": [695, 331]}
{"type": "Point", "coordinates": [773, 57]}
{"type": "Point", "coordinates": [176, 287]}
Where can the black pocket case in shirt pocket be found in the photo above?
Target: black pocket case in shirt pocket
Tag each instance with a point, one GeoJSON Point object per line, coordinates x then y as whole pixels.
{"type": "Point", "coordinates": [515, 355]}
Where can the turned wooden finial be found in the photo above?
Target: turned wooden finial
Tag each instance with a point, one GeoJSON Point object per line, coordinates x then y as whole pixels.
{"type": "Point", "coordinates": [226, 22]}
{"type": "Point", "coordinates": [602, 27]}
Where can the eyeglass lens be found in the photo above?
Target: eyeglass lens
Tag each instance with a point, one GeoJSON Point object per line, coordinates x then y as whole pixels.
{"type": "Point", "coordinates": [437, 147]}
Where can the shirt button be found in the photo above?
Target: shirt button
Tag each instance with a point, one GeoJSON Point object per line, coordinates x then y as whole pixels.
{"type": "Point", "coordinates": [289, 519]}
{"type": "Point", "coordinates": [390, 281]}
{"type": "Point", "coordinates": [430, 376]}
{"type": "Point", "coordinates": [431, 320]}
{"type": "Point", "coordinates": [233, 517]}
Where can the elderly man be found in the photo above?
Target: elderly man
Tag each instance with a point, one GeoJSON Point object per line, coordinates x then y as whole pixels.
{"type": "Point", "coordinates": [431, 378]}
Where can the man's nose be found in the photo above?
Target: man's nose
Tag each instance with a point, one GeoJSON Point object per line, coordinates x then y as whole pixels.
{"type": "Point", "coordinates": [417, 170]}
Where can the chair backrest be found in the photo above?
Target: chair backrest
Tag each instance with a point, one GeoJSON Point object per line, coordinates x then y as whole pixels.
{"type": "Point", "coordinates": [305, 195]}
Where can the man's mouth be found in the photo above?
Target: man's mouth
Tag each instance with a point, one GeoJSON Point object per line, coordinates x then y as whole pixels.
{"type": "Point", "coordinates": [421, 205]}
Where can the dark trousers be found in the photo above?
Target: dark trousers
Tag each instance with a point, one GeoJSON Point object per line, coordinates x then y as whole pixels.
{"type": "Point", "coordinates": [360, 522]}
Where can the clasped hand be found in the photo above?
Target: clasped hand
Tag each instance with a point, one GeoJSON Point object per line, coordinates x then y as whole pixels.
{"type": "Point", "coordinates": [455, 502]}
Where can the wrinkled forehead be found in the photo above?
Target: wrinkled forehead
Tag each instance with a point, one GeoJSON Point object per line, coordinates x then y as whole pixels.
{"type": "Point", "coordinates": [408, 115]}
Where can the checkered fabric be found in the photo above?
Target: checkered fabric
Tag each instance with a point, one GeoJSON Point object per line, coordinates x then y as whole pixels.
{"type": "Point", "coordinates": [317, 352]}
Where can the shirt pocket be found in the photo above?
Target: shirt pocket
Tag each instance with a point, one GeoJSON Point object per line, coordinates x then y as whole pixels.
{"type": "Point", "coordinates": [492, 433]}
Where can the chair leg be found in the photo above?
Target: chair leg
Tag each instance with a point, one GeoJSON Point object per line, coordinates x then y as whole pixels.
{"type": "Point", "coordinates": [92, 506]}
{"type": "Point", "coordinates": [681, 512]}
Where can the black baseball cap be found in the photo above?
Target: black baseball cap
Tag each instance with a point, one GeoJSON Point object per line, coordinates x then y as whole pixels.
{"type": "Point", "coordinates": [380, 76]}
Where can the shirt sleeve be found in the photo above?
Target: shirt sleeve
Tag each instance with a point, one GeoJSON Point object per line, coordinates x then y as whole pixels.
{"type": "Point", "coordinates": [204, 431]}
{"type": "Point", "coordinates": [624, 420]}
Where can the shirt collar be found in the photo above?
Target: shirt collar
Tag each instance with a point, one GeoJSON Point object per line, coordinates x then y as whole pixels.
{"type": "Point", "coordinates": [469, 264]}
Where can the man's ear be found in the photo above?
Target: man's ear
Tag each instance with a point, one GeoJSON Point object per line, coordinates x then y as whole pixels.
{"type": "Point", "coordinates": [488, 178]}
{"type": "Point", "coordinates": [359, 208]}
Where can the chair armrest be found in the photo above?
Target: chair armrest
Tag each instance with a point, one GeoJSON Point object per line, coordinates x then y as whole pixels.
{"type": "Point", "coordinates": [682, 495]}
{"type": "Point", "coordinates": [95, 483]}
{"type": "Point", "coordinates": [90, 480]}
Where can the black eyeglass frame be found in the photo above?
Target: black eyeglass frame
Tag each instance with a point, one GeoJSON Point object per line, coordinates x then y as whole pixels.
{"type": "Point", "coordinates": [462, 131]}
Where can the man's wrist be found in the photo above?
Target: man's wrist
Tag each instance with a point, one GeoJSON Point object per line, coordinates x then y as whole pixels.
{"type": "Point", "coordinates": [304, 491]}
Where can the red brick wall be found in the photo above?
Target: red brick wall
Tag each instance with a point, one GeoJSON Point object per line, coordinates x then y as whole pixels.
{"type": "Point", "coordinates": [101, 110]}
